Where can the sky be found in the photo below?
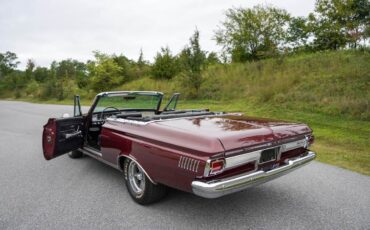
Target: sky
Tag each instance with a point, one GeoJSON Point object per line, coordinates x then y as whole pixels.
{"type": "Point", "coordinates": [47, 30]}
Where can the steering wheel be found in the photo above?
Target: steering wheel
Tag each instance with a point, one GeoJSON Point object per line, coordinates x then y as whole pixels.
{"type": "Point", "coordinates": [109, 107]}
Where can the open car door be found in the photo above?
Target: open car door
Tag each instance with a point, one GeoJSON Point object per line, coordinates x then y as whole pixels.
{"type": "Point", "coordinates": [62, 135]}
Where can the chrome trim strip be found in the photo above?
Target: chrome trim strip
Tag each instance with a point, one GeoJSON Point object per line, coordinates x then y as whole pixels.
{"type": "Point", "coordinates": [294, 145]}
{"type": "Point", "coordinates": [134, 122]}
{"type": "Point", "coordinates": [235, 161]}
{"type": "Point", "coordinates": [270, 145]}
{"type": "Point", "coordinates": [93, 151]}
{"type": "Point", "coordinates": [185, 163]}
{"type": "Point", "coordinates": [119, 93]}
{"type": "Point", "coordinates": [133, 159]}
{"type": "Point", "coordinates": [207, 168]}
{"type": "Point", "coordinates": [249, 157]}
{"type": "Point", "coordinates": [180, 162]}
{"type": "Point", "coordinates": [97, 157]}
{"type": "Point", "coordinates": [178, 165]}
{"type": "Point", "coordinates": [188, 164]}
{"type": "Point", "coordinates": [218, 188]}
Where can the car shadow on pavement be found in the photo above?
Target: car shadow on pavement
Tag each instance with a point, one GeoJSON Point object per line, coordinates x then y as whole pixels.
{"type": "Point", "coordinates": [268, 199]}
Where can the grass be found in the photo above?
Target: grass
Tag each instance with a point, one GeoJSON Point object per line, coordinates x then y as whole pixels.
{"type": "Point", "coordinates": [328, 82]}
{"type": "Point", "coordinates": [339, 141]}
{"type": "Point", "coordinates": [330, 91]}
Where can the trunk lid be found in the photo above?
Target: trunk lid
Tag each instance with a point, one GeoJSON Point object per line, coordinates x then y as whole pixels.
{"type": "Point", "coordinates": [235, 131]}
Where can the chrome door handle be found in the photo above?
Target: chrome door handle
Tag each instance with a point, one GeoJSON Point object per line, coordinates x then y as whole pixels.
{"type": "Point", "coordinates": [74, 134]}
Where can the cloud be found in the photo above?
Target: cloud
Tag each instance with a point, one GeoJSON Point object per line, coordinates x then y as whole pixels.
{"type": "Point", "coordinates": [54, 30]}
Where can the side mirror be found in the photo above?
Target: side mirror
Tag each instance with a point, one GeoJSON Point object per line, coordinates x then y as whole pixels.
{"type": "Point", "coordinates": [77, 106]}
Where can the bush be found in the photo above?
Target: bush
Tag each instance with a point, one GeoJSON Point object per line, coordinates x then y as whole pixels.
{"type": "Point", "coordinates": [165, 65]}
{"type": "Point", "coordinates": [33, 89]}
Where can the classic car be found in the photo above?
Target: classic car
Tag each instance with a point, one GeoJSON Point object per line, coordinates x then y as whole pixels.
{"type": "Point", "coordinates": [210, 154]}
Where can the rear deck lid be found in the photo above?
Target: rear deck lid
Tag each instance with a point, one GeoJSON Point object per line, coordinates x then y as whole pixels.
{"type": "Point", "coordinates": [235, 131]}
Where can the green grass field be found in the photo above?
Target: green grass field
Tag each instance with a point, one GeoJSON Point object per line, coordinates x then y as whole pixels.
{"type": "Point", "coordinates": [339, 141]}
{"type": "Point", "coordinates": [330, 91]}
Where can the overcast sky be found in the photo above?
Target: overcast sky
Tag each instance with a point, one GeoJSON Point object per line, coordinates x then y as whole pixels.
{"type": "Point", "coordinates": [47, 30]}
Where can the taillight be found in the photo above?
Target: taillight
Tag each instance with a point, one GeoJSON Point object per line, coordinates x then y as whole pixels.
{"type": "Point", "coordinates": [309, 140]}
{"type": "Point", "coordinates": [214, 167]}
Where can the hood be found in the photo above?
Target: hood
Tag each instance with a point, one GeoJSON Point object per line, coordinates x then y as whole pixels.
{"type": "Point", "coordinates": [236, 131]}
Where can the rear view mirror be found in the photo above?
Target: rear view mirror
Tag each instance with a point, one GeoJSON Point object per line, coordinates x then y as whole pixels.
{"type": "Point", "coordinates": [128, 97]}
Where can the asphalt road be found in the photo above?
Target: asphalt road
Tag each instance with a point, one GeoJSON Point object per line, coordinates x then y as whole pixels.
{"type": "Point", "coordinates": [85, 194]}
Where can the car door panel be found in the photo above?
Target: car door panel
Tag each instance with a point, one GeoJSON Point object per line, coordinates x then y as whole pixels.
{"type": "Point", "coordinates": [62, 135]}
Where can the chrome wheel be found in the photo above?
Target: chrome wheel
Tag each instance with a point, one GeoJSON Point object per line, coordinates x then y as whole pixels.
{"type": "Point", "coordinates": [136, 178]}
{"type": "Point", "coordinates": [139, 185]}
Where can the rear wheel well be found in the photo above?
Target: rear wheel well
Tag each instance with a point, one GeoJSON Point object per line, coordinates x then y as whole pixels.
{"type": "Point", "coordinates": [121, 162]}
{"type": "Point", "coordinates": [121, 165]}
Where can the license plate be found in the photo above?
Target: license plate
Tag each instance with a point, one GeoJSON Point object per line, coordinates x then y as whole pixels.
{"type": "Point", "coordinates": [268, 155]}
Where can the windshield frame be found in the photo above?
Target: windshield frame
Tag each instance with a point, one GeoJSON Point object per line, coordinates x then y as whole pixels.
{"type": "Point", "coordinates": [125, 93]}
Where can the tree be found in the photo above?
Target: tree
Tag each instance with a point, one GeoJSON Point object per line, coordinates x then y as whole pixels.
{"type": "Point", "coordinates": [70, 69]}
{"type": "Point", "coordinates": [193, 60]}
{"type": "Point", "coordinates": [299, 32]}
{"type": "Point", "coordinates": [29, 68]}
{"type": "Point", "coordinates": [141, 62]}
{"type": "Point", "coordinates": [8, 63]}
{"type": "Point", "coordinates": [105, 72]}
{"type": "Point", "coordinates": [337, 23]}
{"type": "Point", "coordinates": [165, 64]}
{"type": "Point", "coordinates": [212, 58]}
{"type": "Point", "coordinates": [252, 33]}
{"type": "Point", "coordinates": [356, 19]}
{"type": "Point", "coordinates": [125, 65]}
{"type": "Point", "coordinates": [141, 67]}
{"type": "Point", "coordinates": [41, 74]}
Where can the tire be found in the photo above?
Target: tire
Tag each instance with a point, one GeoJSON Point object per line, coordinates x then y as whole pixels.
{"type": "Point", "coordinates": [75, 154]}
{"type": "Point", "coordinates": [141, 189]}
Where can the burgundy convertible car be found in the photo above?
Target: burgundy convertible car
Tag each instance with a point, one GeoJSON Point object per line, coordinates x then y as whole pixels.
{"type": "Point", "coordinates": [210, 154]}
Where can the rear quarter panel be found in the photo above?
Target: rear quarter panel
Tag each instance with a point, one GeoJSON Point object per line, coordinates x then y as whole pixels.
{"type": "Point", "coordinates": [158, 155]}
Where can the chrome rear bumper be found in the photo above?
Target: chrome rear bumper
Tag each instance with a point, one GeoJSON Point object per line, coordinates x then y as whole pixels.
{"type": "Point", "coordinates": [214, 189]}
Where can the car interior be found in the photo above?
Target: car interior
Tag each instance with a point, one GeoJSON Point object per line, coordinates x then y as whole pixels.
{"type": "Point", "coordinates": [139, 115]}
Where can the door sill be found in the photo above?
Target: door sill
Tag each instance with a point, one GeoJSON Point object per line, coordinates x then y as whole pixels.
{"type": "Point", "coordinates": [96, 154]}
{"type": "Point", "coordinates": [90, 150]}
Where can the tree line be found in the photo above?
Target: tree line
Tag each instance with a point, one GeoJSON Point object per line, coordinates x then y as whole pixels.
{"type": "Point", "coordinates": [246, 34]}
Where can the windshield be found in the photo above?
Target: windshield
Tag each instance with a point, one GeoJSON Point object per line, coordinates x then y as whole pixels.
{"type": "Point", "coordinates": [129, 101]}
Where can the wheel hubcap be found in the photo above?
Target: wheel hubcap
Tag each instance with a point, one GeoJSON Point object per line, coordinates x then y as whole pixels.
{"type": "Point", "coordinates": [136, 178]}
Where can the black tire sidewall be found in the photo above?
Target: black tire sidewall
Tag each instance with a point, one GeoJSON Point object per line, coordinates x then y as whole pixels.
{"type": "Point", "coordinates": [152, 192]}
{"type": "Point", "coordinates": [75, 154]}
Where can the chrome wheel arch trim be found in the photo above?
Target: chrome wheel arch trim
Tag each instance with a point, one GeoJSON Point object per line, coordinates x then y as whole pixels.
{"type": "Point", "coordinates": [133, 159]}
